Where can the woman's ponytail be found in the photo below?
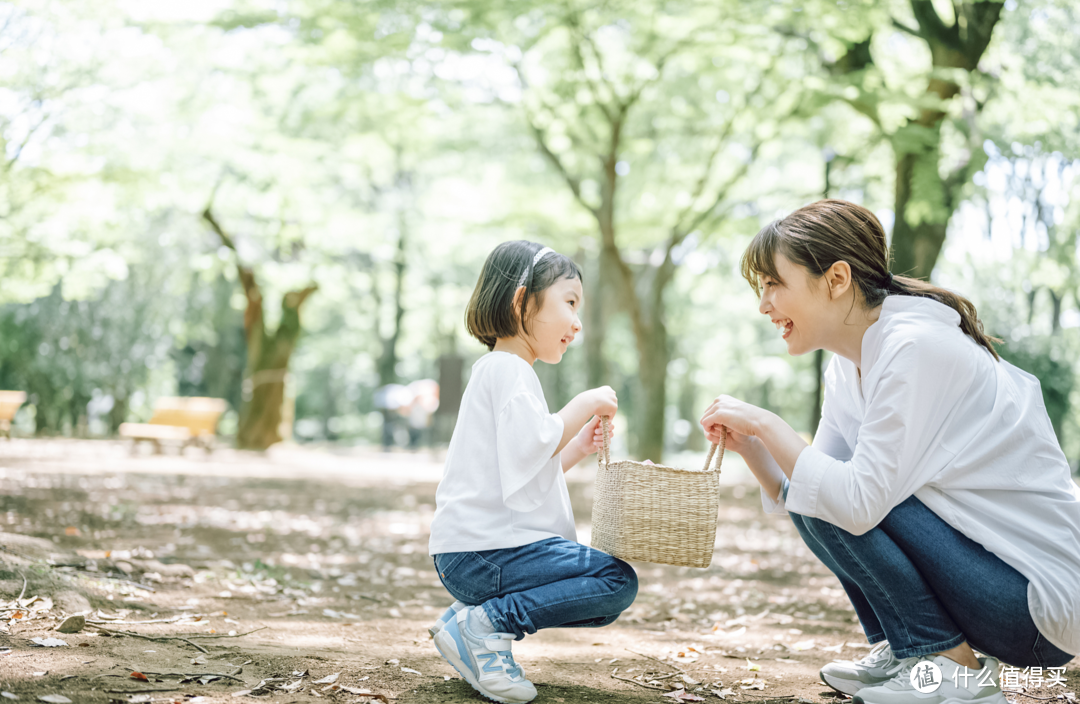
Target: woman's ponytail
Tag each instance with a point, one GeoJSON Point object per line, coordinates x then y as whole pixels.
{"type": "Point", "coordinates": [969, 317]}
{"type": "Point", "coordinates": [828, 231]}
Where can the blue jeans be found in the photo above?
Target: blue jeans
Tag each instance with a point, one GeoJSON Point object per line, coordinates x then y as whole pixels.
{"type": "Point", "coordinates": [926, 587]}
{"type": "Point", "coordinates": [547, 584]}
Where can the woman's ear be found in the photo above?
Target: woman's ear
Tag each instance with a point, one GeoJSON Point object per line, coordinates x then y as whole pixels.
{"type": "Point", "coordinates": [838, 279]}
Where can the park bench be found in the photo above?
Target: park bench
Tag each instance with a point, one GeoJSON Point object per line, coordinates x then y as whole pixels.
{"type": "Point", "coordinates": [10, 401]}
{"type": "Point", "coordinates": [183, 421]}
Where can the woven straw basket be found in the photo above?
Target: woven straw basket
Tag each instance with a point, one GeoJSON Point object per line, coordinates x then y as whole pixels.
{"type": "Point", "coordinates": [652, 513]}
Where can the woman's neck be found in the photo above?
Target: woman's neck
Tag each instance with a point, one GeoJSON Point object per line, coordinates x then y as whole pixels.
{"type": "Point", "coordinates": [848, 341]}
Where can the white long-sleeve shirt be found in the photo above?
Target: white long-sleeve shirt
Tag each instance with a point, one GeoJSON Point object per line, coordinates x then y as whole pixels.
{"type": "Point", "coordinates": [935, 416]}
{"type": "Point", "coordinates": [502, 487]}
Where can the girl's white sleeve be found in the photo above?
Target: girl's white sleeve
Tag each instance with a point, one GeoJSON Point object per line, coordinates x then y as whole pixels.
{"type": "Point", "coordinates": [526, 439]}
{"type": "Point", "coordinates": [914, 399]}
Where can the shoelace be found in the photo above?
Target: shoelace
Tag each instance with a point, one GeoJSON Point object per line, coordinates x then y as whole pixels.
{"type": "Point", "coordinates": [510, 667]}
{"type": "Point", "coordinates": [880, 652]}
{"type": "Point", "coordinates": [903, 677]}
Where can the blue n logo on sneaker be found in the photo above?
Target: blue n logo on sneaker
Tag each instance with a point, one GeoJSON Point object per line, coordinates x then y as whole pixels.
{"type": "Point", "coordinates": [490, 662]}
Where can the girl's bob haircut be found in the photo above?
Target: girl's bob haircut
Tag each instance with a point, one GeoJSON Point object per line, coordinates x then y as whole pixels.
{"type": "Point", "coordinates": [491, 313]}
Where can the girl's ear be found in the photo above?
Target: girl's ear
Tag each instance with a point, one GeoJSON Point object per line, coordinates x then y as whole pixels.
{"type": "Point", "coordinates": [519, 296]}
{"type": "Point", "coordinates": [838, 278]}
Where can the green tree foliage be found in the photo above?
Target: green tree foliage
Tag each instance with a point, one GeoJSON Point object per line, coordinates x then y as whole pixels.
{"type": "Point", "coordinates": [381, 149]}
{"type": "Point", "coordinates": [652, 118]}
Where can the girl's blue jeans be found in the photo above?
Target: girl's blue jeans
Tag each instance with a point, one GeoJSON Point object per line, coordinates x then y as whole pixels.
{"type": "Point", "coordinates": [547, 584]}
{"type": "Point", "coordinates": [926, 587]}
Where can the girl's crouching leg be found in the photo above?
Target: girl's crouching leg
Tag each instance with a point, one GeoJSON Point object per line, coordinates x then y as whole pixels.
{"type": "Point", "coordinates": [625, 588]}
{"type": "Point", "coordinates": [593, 597]}
{"type": "Point", "coordinates": [622, 585]}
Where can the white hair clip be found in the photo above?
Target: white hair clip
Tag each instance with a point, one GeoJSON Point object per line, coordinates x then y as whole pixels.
{"type": "Point", "coordinates": [538, 257]}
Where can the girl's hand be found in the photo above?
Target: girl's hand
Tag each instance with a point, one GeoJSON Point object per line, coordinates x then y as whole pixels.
{"type": "Point", "coordinates": [591, 438]}
{"type": "Point", "coordinates": [606, 403]}
{"type": "Point", "coordinates": [738, 417]}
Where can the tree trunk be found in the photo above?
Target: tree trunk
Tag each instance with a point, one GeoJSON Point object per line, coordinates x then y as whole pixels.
{"type": "Point", "coordinates": [919, 232]}
{"type": "Point", "coordinates": [596, 369]}
{"type": "Point", "coordinates": [688, 408]}
{"type": "Point", "coordinates": [267, 355]}
{"type": "Point", "coordinates": [387, 364]}
{"type": "Point", "coordinates": [915, 247]}
{"type": "Point", "coordinates": [819, 391]}
{"type": "Point", "coordinates": [652, 365]}
{"type": "Point", "coordinates": [264, 385]}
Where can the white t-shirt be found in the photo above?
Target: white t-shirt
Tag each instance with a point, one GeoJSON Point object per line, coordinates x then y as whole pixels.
{"type": "Point", "coordinates": [935, 416]}
{"type": "Point", "coordinates": [501, 487]}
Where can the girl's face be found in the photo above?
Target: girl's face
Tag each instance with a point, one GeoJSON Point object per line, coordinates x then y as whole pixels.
{"type": "Point", "coordinates": [797, 304]}
{"type": "Point", "coordinates": [557, 321]}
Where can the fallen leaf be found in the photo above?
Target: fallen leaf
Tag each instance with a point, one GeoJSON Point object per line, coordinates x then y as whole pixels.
{"type": "Point", "coordinates": [412, 671]}
{"type": "Point", "coordinates": [752, 666]}
{"type": "Point", "coordinates": [55, 699]}
{"type": "Point", "coordinates": [72, 624]}
{"type": "Point", "coordinates": [9, 695]}
{"type": "Point", "coordinates": [48, 643]}
{"type": "Point", "coordinates": [139, 676]}
{"type": "Point", "coordinates": [723, 693]}
{"type": "Point", "coordinates": [683, 696]}
{"type": "Point", "coordinates": [241, 693]}
{"type": "Point", "coordinates": [329, 679]}
{"type": "Point", "coordinates": [803, 645]}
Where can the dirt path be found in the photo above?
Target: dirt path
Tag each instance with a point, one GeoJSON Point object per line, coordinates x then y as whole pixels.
{"type": "Point", "coordinates": [322, 557]}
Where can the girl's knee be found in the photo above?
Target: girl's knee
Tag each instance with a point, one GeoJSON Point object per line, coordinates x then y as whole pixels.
{"type": "Point", "coordinates": [625, 587]}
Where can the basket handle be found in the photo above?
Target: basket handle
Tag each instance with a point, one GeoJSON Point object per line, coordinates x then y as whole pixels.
{"type": "Point", "coordinates": [603, 458]}
{"type": "Point", "coordinates": [719, 455]}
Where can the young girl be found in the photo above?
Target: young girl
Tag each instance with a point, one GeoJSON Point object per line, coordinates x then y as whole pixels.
{"type": "Point", "coordinates": [503, 535]}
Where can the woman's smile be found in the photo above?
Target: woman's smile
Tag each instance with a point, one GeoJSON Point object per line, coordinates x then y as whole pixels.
{"type": "Point", "coordinates": [785, 325]}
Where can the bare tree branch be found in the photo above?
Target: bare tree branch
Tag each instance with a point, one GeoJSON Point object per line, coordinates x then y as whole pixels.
{"type": "Point", "coordinates": [904, 28]}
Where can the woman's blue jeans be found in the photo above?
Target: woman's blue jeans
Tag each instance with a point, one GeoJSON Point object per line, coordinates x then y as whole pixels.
{"type": "Point", "coordinates": [546, 584]}
{"type": "Point", "coordinates": [926, 587]}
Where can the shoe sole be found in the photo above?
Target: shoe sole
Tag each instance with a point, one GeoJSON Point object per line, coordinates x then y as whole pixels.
{"type": "Point", "coordinates": [998, 698]}
{"type": "Point", "coordinates": [852, 689]}
{"type": "Point", "coordinates": [450, 655]}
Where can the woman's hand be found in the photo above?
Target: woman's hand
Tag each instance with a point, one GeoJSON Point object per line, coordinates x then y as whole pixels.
{"type": "Point", "coordinates": [591, 437]}
{"type": "Point", "coordinates": [740, 419]}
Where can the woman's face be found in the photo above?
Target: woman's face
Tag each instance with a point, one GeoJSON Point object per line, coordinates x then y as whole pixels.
{"type": "Point", "coordinates": [797, 304]}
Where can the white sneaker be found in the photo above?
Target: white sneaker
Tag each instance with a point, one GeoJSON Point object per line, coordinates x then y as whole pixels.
{"type": "Point", "coordinates": [937, 680]}
{"type": "Point", "coordinates": [849, 677]}
{"type": "Point", "coordinates": [447, 615]}
{"type": "Point", "coordinates": [485, 662]}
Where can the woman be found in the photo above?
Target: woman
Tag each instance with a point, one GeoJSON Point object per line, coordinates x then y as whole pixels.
{"type": "Point", "coordinates": [935, 489]}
